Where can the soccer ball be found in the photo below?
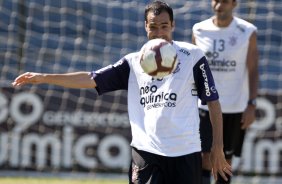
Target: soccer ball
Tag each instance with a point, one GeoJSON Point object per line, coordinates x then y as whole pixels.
{"type": "Point", "coordinates": [158, 58]}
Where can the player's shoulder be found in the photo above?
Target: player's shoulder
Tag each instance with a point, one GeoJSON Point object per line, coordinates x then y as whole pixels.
{"type": "Point", "coordinates": [186, 45]}
{"type": "Point", "coordinates": [132, 58]}
{"type": "Point", "coordinates": [203, 24]}
{"type": "Point", "coordinates": [244, 24]}
{"type": "Point", "coordinates": [188, 49]}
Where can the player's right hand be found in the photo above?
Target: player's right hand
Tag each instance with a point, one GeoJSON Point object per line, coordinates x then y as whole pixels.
{"type": "Point", "coordinates": [28, 78]}
{"type": "Point", "coordinates": [219, 164]}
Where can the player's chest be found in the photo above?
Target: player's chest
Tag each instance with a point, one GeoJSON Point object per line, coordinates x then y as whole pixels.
{"type": "Point", "coordinates": [176, 82]}
{"type": "Point", "coordinates": [223, 41]}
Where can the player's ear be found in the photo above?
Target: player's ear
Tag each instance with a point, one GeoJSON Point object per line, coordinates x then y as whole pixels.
{"type": "Point", "coordinates": [234, 3]}
{"type": "Point", "coordinates": [173, 25]}
{"type": "Point", "coordinates": [145, 25]}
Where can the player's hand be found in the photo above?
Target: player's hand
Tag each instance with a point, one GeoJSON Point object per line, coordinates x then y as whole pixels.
{"type": "Point", "coordinates": [219, 164]}
{"type": "Point", "coordinates": [248, 117]}
{"type": "Point", "coordinates": [28, 78]}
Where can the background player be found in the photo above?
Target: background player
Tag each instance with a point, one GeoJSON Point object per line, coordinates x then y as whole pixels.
{"type": "Point", "coordinates": [165, 139]}
{"type": "Point", "coordinates": [230, 45]}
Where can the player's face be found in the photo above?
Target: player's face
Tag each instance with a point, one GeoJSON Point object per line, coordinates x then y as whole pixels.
{"type": "Point", "coordinates": [159, 26]}
{"type": "Point", "coordinates": [223, 8]}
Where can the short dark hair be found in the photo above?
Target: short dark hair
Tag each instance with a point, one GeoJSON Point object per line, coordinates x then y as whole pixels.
{"type": "Point", "coordinates": [158, 7]}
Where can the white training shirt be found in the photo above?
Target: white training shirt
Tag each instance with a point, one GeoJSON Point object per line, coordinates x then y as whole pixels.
{"type": "Point", "coordinates": [163, 113]}
{"type": "Point", "coordinates": [226, 51]}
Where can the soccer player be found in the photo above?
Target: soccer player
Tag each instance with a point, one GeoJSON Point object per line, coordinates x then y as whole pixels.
{"type": "Point", "coordinates": [163, 113]}
{"type": "Point", "coordinates": [230, 45]}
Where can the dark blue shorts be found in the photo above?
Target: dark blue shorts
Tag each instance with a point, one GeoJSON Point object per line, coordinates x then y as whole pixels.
{"type": "Point", "coordinates": [233, 135]}
{"type": "Point", "coordinates": [148, 168]}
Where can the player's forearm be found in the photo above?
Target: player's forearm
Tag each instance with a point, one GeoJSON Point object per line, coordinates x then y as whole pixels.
{"type": "Point", "coordinates": [69, 80]}
{"type": "Point", "coordinates": [253, 79]}
{"type": "Point", "coordinates": [216, 120]}
{"type": "Point", "coordinates": [253, 84]}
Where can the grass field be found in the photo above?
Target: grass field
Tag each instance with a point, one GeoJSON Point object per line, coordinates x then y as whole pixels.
{"type": "Point", "coordinates": [17, 180]}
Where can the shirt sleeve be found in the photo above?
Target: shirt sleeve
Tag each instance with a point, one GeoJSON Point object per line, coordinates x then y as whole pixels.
{"type": "Point", "coordinates": [112, 77]}
{"type": "Point", "coordinates": [204, 81]}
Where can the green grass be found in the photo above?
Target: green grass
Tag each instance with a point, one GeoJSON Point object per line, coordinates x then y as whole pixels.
{"type": "Point", "coordinates": [17, 180]}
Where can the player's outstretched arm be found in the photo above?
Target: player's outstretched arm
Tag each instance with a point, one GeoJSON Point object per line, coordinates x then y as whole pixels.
{"type": "Point", "coordinates": [69, 80]}
{"type": "Point", "coordinates": [218, 161]}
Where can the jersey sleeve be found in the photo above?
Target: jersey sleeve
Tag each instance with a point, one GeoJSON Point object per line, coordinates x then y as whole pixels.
{"type": "Point", "coordinates": [204, 81]}
{"type": "Point", "coordinates": [112, 77]}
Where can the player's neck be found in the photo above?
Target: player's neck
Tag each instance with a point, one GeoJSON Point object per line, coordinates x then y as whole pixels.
{"type": "Point", "coordinates": [222, 23]}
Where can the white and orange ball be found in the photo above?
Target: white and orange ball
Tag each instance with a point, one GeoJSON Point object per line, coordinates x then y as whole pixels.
{"type": "Point", "coordinates": [158, 58]}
